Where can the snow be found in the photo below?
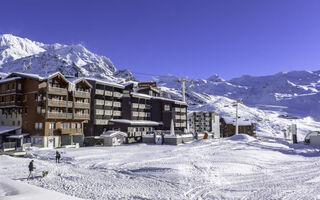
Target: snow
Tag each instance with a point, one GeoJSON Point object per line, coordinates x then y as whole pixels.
{"type": "Point", "coordinates": [6, 129]}
{"type": "Point", "coordinates": [235, 168]}
{"type": "Point", "coordinates": [136, 122]}
{"type": "Point", "coordinates": [242, 137]}
{"type": "Point", "coordinates": [113, 133]}
{"type": "Point", "coordinates": [17, 190]}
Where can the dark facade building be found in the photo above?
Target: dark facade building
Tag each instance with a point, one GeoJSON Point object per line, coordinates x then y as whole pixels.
{"type": "Point", "coordinates": [106, 104]}
{"type": "Point", "coordinates": [140, 110]}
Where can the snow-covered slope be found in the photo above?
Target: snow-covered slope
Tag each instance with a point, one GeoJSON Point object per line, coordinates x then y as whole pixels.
{"type": "Point", "coordinates": [16, 52]}
{"type": "Point", "coordinates": [295, 93]}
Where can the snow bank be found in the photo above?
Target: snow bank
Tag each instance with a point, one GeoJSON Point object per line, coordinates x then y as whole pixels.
{"type": "Point", "coordinates": [10, 189]}
{"type": "Point", "coordinates": [242, 137]}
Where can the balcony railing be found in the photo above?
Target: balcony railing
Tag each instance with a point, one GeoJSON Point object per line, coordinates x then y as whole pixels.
{"type": "Point", "coordinates": [99, 92]}
{"type": "Point", "coordinates": [116, 104]}
{"type": "Point", "coordinates": [82, 105]}
{"type": "Point", "coordinates": [11, 103]}
{"type": "Point", "coordinates": [82, 94]}
{"type": "Point", "coordinates": [53, 115]}
{"type": "Point", "coordinates": [177, 109]}
{"type": "Point", "coordinates": [117, 94]}
{"type": "Point", "coordinates": [116, 113]}
{"type": "Point", "coordinates": [142, 106]}
{"type": "Point", "coordinates": [70, 131]}
{"type": "Point", "coordinates": [101, 122]}
{"type": "Point", "coordinates": [99, 102]}
{"type": "Point", "coordinates": [108, 103]}
{"type": "Point", "coordinates": [108, 93]}
{"type": "Point", "coordinates": [58, 103]}
{"type": "Point", "coordinates": [57, 91]}
{"type": "Point", "coordinates": [108, 112]}
{"type": "Point", "coordinates": [82, 116]}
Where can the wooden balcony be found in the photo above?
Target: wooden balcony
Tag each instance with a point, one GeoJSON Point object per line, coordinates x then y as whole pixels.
{"type": "Point", "coordinates": [82, 116]}
{"type": "Point", "coordinates": [80, 94]}
{"type": "Point", "coordinates": [53, 115]}
{"type": "Point", "coordinates": [71, 131]}
{"type": "Point", "coordinates": [55, 103]}
{"type": "Point", "coordinates": [57, 91]}
{"type": "Point", "coordinates": [82, 105]}
{"type": "Point", "coordinates": [11, 104]}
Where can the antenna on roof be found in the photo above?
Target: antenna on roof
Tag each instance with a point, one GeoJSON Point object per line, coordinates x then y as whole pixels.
{"type": "Point", "coordinates": [29, 65]}
{"type": "Point", "coordinates": [24, 68]}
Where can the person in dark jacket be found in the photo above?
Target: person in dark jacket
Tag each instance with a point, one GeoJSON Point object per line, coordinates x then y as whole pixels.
{"type": "Point", "coordinates": [58, 156]}
{"type": "Point", "coordinates": [31, 168]}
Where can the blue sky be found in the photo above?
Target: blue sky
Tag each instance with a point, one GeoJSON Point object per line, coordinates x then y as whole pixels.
{"type": "Point", "coordinates": [182, 37]}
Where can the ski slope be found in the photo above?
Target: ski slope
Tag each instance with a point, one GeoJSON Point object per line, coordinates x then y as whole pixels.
{"type": "Point", "coordinates": [240, 167]}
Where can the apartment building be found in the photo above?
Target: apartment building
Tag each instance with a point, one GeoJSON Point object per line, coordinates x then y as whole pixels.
{"type": "Point", "coordinates": [11, 96]}
{"type": "Point", "coordinates": [52, 110]}
{"type": "Point", "coordinates": [106, 104]}
{"type": "Point", "coordinates": [204, 122]}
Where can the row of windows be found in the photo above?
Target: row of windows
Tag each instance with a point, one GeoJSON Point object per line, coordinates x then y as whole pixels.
{"type": "Point", "coordinates": [13, 123]}
{"type": "Point", "coordinates": [65, 125]}
{"type": "Point", "coordinates": [11, 86]}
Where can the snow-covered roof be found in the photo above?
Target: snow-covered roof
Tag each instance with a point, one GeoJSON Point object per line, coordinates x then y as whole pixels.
{"type": "Point", "coordinates": [139, 95]}
{"type": "Point", "coordinates": [18, 136]}
{"type": "Point", "coordinates": [106, 83]}
{"type": "Point", "coordinates": [241, 122]}
{"type": "Point", "coordinates": [113, 133]}
{"type": "Point", "coordinates": [26, 75]}
{"type": "Point", "coordinates": [175, 101]}
{"type": "Point", "coordinates": [149, 88]}
{"type": "Point", "coordinates": [9, 79]}
{"type": "Point", "coordinates": [6, 129]}
{"type": "Point", "coordinates": [136, 122]}
{"type": "Point", "coordinates": [76, 80]}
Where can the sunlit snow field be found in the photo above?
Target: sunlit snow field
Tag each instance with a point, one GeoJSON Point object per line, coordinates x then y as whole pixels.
{"type": "Point", "coordinates": [240, 167]}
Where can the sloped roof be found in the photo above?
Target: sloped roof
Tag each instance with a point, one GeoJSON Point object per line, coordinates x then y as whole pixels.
{"type": "Point", "coordinates": [113, 133]}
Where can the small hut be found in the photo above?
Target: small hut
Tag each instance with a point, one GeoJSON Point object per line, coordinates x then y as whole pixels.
{"type": "Point", "coordinates": [313, 138]}
{"type": "Point", "coordinates": [113, 138]}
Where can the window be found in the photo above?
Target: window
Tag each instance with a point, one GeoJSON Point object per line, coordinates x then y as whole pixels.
{"type": "Point", "coordinates": [167, 107]}
{"type": "Point", "coordinates": [38, 109]}
{"type": "Point", "coordinates": [51, 126]}
{"type": "Point", "coordinates": [73, 125]}
{"type": "Point", "coordinates": [19, 86]}
{"type": "Point", "coordinates": [40, 126]}
{"type": "Point", "coordinates": [18, 122]}
{"type": "Point", "coordinates": [36, 126]}
{"type": "Point", "coordinates": [13, 123]}
{"type": "Point", "coordinates": [26, 110]}
{"type": "Point", "coordinates": [79, 125]}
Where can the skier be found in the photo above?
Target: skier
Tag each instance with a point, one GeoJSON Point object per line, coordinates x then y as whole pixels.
{"type": "Point", "coordinates": [58, 156]}
{"type": "Point", "coordinates": [31, 168]}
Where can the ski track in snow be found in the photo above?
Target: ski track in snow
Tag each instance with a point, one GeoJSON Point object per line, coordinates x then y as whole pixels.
{"type": "Point", "coordinates": [206, 169]}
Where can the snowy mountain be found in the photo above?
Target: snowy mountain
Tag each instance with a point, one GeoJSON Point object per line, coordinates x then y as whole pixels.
{"type": "Point", "coordinates": [21, 54]}
{"type": "Point", "coordinates": [294, 94]}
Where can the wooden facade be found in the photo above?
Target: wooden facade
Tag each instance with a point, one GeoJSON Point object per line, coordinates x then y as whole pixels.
{"type": "Point", "coordinates": [51, 106]}
{"type": "Point", "coordinates": [229, 129]}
